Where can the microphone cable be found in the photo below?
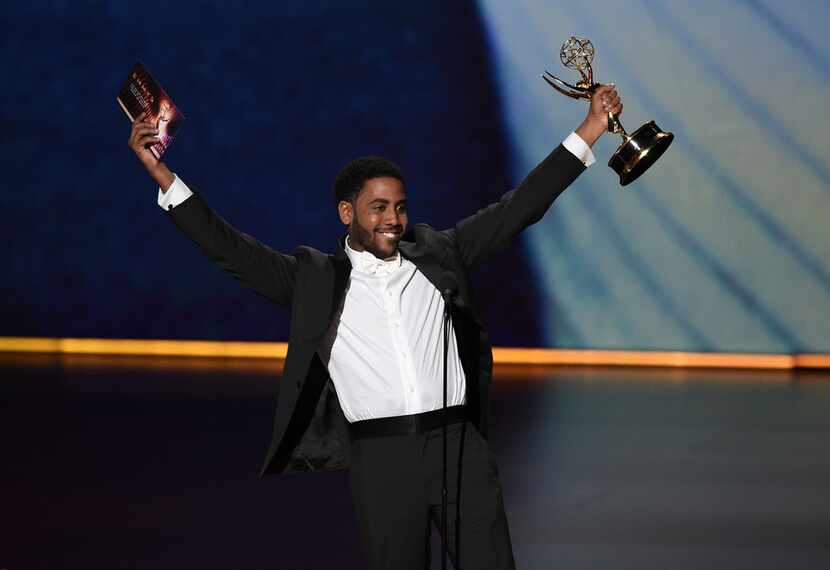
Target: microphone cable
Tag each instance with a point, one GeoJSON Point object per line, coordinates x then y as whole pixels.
{"type": "Point", "coordinates": [448, 286]}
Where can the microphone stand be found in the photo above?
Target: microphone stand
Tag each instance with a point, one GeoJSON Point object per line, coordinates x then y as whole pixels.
{"type": "Point", "coordinates": [447, 294]}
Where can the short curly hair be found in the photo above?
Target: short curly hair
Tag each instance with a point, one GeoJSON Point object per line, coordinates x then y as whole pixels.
{"type": "Point", "coordinates": [349, 181]}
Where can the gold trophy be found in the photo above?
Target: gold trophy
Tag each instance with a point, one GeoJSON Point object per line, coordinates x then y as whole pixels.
{"type": "Point", "coordinates": [638, 151]}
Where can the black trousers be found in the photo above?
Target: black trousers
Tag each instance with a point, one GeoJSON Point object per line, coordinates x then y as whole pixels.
{"type": "Point", "coordinates": [396, 485]}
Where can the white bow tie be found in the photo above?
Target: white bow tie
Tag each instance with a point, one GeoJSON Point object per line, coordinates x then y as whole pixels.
{"type": "Point", "coordinates": [371, 265]}
{"type": "Point", "coordinates": [374, 266]}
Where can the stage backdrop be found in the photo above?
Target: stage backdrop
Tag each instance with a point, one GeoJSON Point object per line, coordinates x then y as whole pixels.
{"type": "Point", "coordinates": [723, 246]}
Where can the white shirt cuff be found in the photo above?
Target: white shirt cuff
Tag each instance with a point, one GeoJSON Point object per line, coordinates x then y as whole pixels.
{"type": "Point", "coordinates": [580, 149]}
{"type": "Point", "coordinates": [175, 195]}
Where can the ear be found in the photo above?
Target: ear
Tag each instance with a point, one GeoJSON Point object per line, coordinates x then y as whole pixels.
{"type": "Point", "coordinates": [346, 212]}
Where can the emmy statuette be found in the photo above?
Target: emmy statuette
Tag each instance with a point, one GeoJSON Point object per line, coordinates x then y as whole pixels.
{"type": "Point", "coordinates": [638, 150]}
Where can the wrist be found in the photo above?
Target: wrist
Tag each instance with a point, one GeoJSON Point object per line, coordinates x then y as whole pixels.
{"type": "Point", "coordinates": [162, 175]}
{"type": "Point", "coordinates": [591, 129]}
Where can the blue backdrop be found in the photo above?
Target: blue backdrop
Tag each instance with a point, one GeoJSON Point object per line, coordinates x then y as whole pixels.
{"type": "Point", "coordinates": [277, 99]}
{"type": "Point", "coordinates": [722, 246]}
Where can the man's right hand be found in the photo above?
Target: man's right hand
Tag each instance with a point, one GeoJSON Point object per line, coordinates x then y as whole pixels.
{"type": "Point", "coordinates": [143, 135]}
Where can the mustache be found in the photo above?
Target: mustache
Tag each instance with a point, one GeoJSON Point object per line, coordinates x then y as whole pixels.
{"type": "Point", "coordinates": [398, 229]}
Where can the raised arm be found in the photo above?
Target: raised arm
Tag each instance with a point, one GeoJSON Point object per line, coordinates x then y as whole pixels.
{"type": "Point", "coordinates": [491, 229]}
{"type": "Point", "coordinates": [257, 266]}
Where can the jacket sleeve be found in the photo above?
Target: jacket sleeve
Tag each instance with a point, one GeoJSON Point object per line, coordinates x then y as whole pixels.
{"type": "Point", "coordinates": [492, 228]}
{"type": "Point", "coordinates": [268, 272]}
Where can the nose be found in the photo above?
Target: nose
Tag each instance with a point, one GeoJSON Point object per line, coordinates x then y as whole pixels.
{"type": "Point", "coordinates": [392, 217]}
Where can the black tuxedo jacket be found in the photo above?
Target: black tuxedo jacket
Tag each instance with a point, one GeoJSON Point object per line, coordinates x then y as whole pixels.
{"type": "Point", "coordinates": [310, 431]}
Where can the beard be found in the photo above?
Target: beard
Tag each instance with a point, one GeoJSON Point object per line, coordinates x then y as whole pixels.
{"type": "Point", "coordinates": [372, 241]}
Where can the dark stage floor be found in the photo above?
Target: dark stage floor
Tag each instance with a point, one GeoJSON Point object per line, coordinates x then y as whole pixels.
{"type": "Point", "coordinates": [147, 463]}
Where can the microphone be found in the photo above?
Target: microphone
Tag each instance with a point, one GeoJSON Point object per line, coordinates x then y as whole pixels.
{"type": "Point", "coordinates": [448, 286]}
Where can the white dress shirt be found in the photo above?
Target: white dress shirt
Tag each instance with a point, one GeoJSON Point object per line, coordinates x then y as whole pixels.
{"type": "Point", "coordinates": [384, 349]}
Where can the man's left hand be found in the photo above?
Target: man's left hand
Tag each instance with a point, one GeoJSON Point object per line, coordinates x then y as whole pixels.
{"type": "Point", "coordinates": [604, 100]}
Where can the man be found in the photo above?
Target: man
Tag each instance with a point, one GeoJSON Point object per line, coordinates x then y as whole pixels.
{"type": "Point", "coordinates": [363, 381]}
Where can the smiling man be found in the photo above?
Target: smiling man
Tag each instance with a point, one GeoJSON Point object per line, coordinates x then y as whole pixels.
{"type": "Point", "coordinates": [362, 386]}
{"type": "Point", "coordinates": [371, 202]}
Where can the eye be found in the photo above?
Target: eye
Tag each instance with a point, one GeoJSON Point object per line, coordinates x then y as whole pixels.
{"type": "Point", "coordinates": [402, 208]}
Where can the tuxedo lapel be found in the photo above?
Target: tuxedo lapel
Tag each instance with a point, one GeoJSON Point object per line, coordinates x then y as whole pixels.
{"type": "Point", "coordinates": [426, 262]}
{"type": "Point", "coordinates": [342, 270]}
{"type": "Point", "coordinates": [434, 265]}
